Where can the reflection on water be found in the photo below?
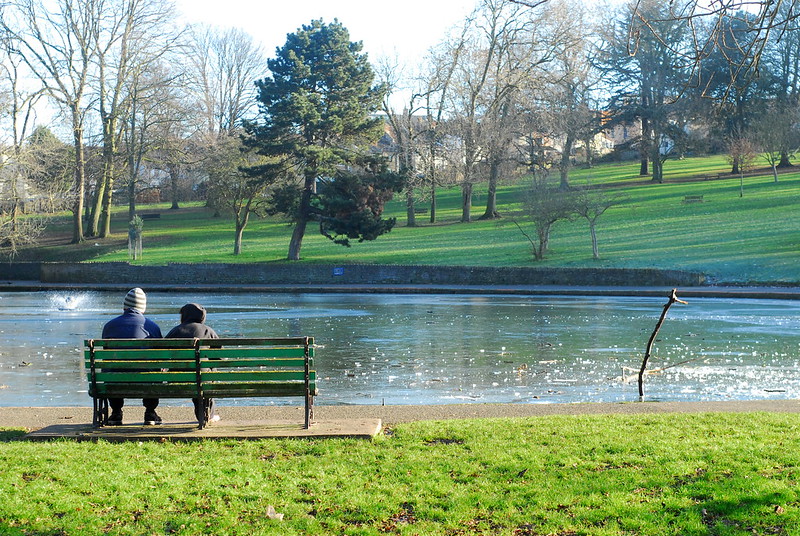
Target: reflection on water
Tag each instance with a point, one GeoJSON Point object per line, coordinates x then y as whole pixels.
{"type": "Point", "coordinates": [434, 349]}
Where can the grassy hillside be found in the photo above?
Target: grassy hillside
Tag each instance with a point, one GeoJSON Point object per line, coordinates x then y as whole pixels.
{"type": "Point", "coordinates": [753, 238]}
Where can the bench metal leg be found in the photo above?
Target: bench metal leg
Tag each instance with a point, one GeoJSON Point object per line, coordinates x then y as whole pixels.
{"type": "Point", "coordinates": [309, 410]}
{"type": "Point", "coordinates": [100, 412]}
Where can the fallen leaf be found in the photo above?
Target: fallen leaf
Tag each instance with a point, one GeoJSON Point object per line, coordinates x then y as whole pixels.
{"type": "Point", "coordinates": [272, 514]}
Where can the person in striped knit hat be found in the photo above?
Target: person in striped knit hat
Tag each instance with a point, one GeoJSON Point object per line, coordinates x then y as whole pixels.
{"type": "Point", "coordinates": [132, 324]}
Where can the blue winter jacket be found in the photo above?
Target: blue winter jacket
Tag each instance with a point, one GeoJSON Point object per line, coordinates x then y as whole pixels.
{"type": "Point", "coordinates": [131, 325]}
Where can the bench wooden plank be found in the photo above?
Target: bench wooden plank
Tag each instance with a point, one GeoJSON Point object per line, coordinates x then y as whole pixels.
{"type": "Point", "coordinates": [254, 376]}
{"type": "Point", "coordinates": [141, 376]}
{"type": "Point", "coordinates": [219, 353]}
{"type": "Point", "coordinates": [141, 355]}
{"type": "Point", "coordinates": [272, 362]}
{"type": "Point", "coordinates": [121, 366]}
{"type": "Point", "coordinates": [275, 341]}
{"type": "Point", "coordinates": [140, 343]}
{"type": "Point", "coordinates": [235, 390]}
{"type": "Point", "coordinates": [146, 390]}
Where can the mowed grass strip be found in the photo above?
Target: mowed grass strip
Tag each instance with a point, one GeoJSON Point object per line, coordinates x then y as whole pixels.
{"type": "Point", "coordinates": [737, 238]}
{"type": "Point", "coordinates": [698, 474]}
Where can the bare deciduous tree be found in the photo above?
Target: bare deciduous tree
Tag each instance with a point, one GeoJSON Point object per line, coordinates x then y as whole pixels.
{"type": "Point", "coordinates": [545, 205]}
{"type": "Point", "coordinates": [133, 34]}
{"type": "Point", "coordinates": [223, 66]}
{"type": "Point", "coordinates": [591, 204]}
{"type": "Point", "coordinates": [58, 41]}
{"type": "Point", "coordinates": [743, 151]}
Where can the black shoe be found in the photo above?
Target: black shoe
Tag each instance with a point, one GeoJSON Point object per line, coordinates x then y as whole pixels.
{"type": "Point", "coordinates": [116, 418]}
{"type": "Point", "coordinates": [151, 418]}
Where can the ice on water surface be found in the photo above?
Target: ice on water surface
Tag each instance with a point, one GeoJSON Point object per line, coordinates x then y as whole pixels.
{"type": "Point", "coordinates": [413, 349]}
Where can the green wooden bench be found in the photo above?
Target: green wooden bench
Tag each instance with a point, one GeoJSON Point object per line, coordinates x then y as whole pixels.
{"type": "Point", "coordinates": [199, 368]}
{"type": "Point", "coordinates": [693, 199]}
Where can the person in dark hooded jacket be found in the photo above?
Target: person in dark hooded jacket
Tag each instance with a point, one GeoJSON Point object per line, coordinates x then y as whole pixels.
{"type": "Point", "coordinates": [193, 317]}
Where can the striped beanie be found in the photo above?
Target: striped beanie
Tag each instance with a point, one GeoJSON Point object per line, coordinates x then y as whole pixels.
{"type": "Point", "coordinates": [135, 299]}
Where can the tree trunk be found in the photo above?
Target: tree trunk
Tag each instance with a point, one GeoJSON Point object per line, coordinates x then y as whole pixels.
{"type": "Point", "coordinates": [587, 143]}
{"type": "Point", "coordinates": [595, 250]}
{"type": "Point", "coordinates": [131, 198]}
{"type": "Point", "coordinates": [466, 202]}
{"type": "Point", "coordinates": [433, 204]}
{"type": "Point", "coordinates": [95, 207]}
{"type": "Point", "coordinates": [564, 163]}
{"type": "Point", "coordinates": [491, 197]}
{"type": "Point", "coordinates": [109, 150]}
{"type": "Point", "coordinates": [774, 172]}
{"type": "Point", "coordinates": [105, 216]}
{"type": "Point", "coordinates": [241, 223]}
{"type": "Point", "coordinates": [80, 186]}
{"type": "Point", "coordinates": [658, 170]}
{"type": "Point", "coordinates": [105, 182]}
{"type": "Point", "coordinates": [237, 242]}
{"type": "Point", "coordinates": [411, 216]}
{"type": "Point", "coordinates": [173, 179]}
{"type": "Point", "coordinates": [643, 168]}
{"type": "Point", "coordinates": [299, 232]}
{"type": "Point", "coordinates": [785, 162]}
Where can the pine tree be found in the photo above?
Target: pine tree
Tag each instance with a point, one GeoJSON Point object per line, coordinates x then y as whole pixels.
{"type": "Point", "coordinates": [316, 117]}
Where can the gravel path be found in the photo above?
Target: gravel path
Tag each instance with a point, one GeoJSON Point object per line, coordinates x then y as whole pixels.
{"type": "Point", "coordinates": [36, 418]}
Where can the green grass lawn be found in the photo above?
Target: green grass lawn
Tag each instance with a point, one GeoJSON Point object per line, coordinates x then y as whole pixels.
{"type": "Point", "coordinates": [699, 474]}
{"type": "Point", "coordinates": [747, 239]}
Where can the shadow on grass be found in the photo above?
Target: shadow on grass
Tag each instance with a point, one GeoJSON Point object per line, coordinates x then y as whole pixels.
{"type": "Point", "coordinates": [11, 434]}
{"type": "Point", "coordinates": [720, 516]}
{"type": "Point", "coordinates": [5, 530]}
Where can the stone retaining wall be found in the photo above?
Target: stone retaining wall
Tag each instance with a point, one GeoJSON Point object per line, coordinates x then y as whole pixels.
{"type": "Point", "coordinates": [357, 274]}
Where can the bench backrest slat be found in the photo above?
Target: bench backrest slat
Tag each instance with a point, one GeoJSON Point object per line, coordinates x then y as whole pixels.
{"type": "Point", "coordinates": [271, 362]}
{"type": "Point", "coordinates": [255, 376]}
{"type": "Point", "coordinates": [157, 376]}
{"type": "Point", "coordinates": [219, 353]}
{"type": "Point", "coordinates": [140, 354]}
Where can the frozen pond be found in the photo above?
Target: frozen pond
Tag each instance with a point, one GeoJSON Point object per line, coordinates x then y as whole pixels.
{"type": "Point", "coordinates": [438, 349]}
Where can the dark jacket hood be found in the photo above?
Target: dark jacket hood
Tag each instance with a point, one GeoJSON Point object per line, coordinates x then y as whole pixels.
{"type": "Point", "coordinates": [193, 312]}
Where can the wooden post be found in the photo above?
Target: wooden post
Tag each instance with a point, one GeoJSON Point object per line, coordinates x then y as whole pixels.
{"type": "Point", "coordinates": [672, 299]}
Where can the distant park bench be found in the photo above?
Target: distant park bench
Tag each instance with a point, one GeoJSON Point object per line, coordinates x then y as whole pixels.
{"type": "Point", "coordinates": [693, 199]}
{"type": "Point", "coordinates": [199, 368]}
{"type": "Point", "coordinates": [150, 216]}
{"type": "Point", "coordinates": [420, 211]}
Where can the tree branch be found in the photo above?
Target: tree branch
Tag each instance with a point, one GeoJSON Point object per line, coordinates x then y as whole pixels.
{"type": "Point", "coordinates": [672, 299]}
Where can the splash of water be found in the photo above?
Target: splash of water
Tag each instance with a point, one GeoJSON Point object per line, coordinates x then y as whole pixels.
{"type": "Point", "coordinates": [68, 302]}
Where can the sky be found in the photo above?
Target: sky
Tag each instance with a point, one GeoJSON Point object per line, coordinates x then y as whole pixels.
{"type": "Point", "coordinates": [405, 29]}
